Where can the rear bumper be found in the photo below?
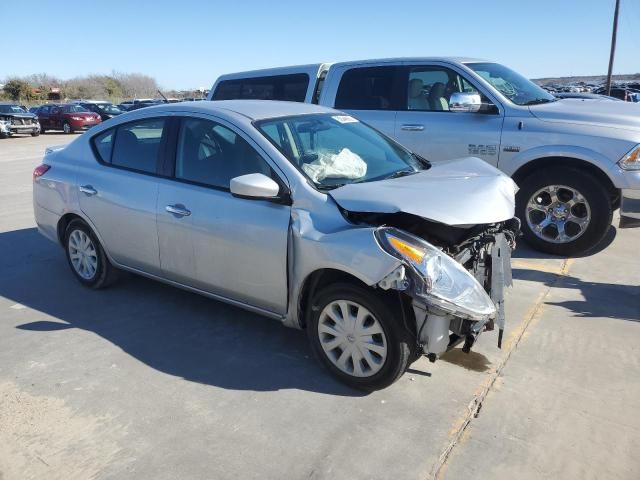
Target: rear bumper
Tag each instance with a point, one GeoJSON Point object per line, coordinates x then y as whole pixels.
{"type": "Point", "coordinates": [47, 222]}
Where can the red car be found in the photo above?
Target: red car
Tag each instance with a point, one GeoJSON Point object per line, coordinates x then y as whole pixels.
{"type": "Point", "coordinates": [66, 117]}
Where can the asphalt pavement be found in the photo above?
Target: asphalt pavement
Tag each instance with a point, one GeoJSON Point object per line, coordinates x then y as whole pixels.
{"type": "Point", "coordinates": [143, 380]}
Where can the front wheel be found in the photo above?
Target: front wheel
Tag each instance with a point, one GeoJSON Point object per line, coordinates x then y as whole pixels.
{"type": "Point", "coordinates": [564, 211]}
{"type": "Point", "coordinates": [66, 128]}
{"type": "Point", "coordinates": [36, 133]}
{"type": "Point", "coordinates": [358, 336]}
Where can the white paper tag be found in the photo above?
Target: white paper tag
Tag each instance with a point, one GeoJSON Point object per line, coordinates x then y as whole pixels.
{"type": "Point", "coordinates": [345, 119]}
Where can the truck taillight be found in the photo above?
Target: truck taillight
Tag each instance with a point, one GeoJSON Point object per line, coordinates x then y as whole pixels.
{"type": "Point", "coordinates": [40, 170]}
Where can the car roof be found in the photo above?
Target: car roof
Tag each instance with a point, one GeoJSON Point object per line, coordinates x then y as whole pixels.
{"type": "Point", "coordinates": [251, 109]}
{"type": "Point", "coordinates": [13, 104]}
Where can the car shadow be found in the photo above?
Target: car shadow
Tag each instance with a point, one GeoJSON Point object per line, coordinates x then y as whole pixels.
{"type": "Point", "coordinates": [525, 251]}
{"type": "Point", "coordinates": [600, 300]}
{"type": "Point", "coordinates": [168, 329]}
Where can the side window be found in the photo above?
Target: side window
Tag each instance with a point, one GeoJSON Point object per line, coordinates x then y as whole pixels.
{"type": "Point", "coordinates": [103, 144]}
{"type": "Point", "coordinates": [291, 88]}
{"type": "Point", "coordinates": [368, 88]}
{"type": "Point", "coordinates": [211, 154]}
{"type": "Point", "coordinates": [430, 88]}
{"type": "Point", "coordinates": [137, 145]}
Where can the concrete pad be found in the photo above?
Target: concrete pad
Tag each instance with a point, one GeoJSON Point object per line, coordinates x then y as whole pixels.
{"type": "Point", "coordinates": [565, 406]}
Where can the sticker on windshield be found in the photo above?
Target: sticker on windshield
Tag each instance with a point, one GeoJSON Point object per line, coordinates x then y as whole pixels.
{"type": "Point", "coordinates": [345, 119]}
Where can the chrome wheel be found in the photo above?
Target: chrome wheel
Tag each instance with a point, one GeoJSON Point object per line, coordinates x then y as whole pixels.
{"type": "Point", "coordinates": [352, 338]}
{"type": "Point", "coordinates": [83, 254]}
{"type": "Point", "coordinates": [66, 128]}
{"type": "Point", "coordinates": [558, 214]}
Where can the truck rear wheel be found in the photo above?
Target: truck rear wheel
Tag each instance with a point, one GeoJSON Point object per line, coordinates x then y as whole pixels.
{"type": "Point", "coordinates": [564, 210]}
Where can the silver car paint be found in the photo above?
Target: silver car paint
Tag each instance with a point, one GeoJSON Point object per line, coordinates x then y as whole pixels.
{"type": "Point", "coordinates": [596, 132]}
{"type": "Point", "coordinates": [319, 237]}
{"type": "Point", "coordinates": [475, 193]}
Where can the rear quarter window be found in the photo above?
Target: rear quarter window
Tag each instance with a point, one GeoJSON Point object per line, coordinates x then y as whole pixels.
{"type": "Point", "coordinates": [103, 145]}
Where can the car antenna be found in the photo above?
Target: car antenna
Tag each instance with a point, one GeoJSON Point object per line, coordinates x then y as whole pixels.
{"type": "Point", "coordinates": [166, 100]}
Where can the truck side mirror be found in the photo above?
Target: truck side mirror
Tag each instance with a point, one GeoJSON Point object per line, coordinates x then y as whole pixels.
{"type": "Point", "coordinates": [465, 102]}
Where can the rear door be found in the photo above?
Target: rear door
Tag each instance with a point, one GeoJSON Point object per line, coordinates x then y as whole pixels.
{"type": "Point", "coordinates": [43, 116]}
{"type": "Point", "coordinates": [211, 240]}
{"type": "Point", "coordinates": [425, 124]}
{"type": "Point", "coordinates": [370, 92]}
{"type": "Point", "coordinates": [119, 192]}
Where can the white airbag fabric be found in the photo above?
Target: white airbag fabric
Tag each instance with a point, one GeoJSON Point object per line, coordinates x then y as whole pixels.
{"type": "Point", "coordinates": [345, 164]}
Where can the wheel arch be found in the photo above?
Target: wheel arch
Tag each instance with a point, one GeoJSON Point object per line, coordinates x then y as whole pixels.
{"type": "Point", "coordinates": [325, 276]}
{"type": "Point", "coordinates": [567, 161]}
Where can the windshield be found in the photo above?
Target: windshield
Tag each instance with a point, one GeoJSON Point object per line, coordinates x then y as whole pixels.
{"type": "Point", "coordinates": [11, 109]}
{"type": "Point", "coordinates": [512, 85]}
{"type": "Point", "coordinates": [333, 150]}
{"type": "Point", "coordinates": [74, 109]}
{"type": "Point", "coordinates": [108, 108]}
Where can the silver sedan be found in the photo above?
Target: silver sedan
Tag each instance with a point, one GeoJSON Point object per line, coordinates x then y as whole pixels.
{"type": "Point", "coordinates": [294, 211]}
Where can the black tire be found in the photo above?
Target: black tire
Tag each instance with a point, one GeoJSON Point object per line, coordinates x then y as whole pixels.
{"type": "Point", "coordinates": [105, 273]}
{"type": "Point", "coordinates": [3, 135]}
{"type": "Point", "coordinates": [589, 187]}
{"type": "Point", "coordinates": [42, 131]}
{"type": "Point", "coordinates": [36, 133]}
{"type": "Point", "coordinates": [64, 128]}
{"type": "Point", "coordinates": [400, 345]}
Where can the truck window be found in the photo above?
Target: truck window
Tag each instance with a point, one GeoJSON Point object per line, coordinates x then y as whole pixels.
{"type": "Point", "coordinates": [368, 88]}
{"type": "Point", "coordinates": [292, 88]}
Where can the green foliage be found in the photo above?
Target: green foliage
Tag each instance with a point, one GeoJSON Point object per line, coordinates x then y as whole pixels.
{"type": "Point", "coordinates": [17, 89]}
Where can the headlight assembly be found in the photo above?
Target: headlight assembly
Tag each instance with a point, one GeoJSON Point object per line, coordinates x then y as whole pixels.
{"type": "Point", "coordinates": [631, 161]}
{"type": "Point", "coordinates": [444, 282]}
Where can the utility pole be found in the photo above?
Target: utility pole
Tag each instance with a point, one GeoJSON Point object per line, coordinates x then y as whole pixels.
{"type": "Point", "coordinates": [613, 46]}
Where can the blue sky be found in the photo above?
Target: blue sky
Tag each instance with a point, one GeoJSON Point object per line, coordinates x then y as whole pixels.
{"type": "Point", "coordinates": [188, 43]}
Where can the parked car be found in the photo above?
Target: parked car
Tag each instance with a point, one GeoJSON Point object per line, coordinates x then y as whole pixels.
{"type": "Point", "coordinates": [106, 110]}
{"type": "Point", "coordinates": [14, 119]}
{"type": "Point", "coordinates": [297, 212]}
{"type": "Point", "coordinates": [67, 117]}
{"type": "Point", "coordinates": [575, 162]}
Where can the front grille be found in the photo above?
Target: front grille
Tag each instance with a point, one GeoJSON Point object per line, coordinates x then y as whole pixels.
{"type": "Point", "coordinates": [21, 121]}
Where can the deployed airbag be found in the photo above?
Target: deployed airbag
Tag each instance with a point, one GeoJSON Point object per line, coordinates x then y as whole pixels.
{"type": "Point", "coordinates": [345, 164]}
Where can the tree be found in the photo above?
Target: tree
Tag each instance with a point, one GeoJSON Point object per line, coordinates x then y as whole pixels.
{"type": "Point", "coordinates": [17, 89]}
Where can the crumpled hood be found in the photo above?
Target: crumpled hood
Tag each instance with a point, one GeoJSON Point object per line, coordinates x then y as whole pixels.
{"type": "Point", "coordinates": [594, 112]}
{"type": "Point", "coordinates": [464, 191]}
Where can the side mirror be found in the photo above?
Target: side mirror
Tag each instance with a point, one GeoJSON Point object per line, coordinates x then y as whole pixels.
{"type": "Point", "coordinates": [465, 102]}
{"type": "Point", "coordinates": [254, 185]}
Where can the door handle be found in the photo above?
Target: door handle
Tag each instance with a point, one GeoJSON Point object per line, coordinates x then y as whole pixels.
{"type": "Point", "coordinates": [412, 127]}
{"type": "Point", "coordinates": [178, 210]}
{"type": "Point", "coordinates": [88, 190]}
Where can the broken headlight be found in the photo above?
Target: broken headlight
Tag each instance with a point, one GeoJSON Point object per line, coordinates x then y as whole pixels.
{"type": "Point", "coordinates": [442, 281]}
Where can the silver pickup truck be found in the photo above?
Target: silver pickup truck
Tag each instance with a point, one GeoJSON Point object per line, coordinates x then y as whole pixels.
{"type": "Point", "coordinates": [575, 160]}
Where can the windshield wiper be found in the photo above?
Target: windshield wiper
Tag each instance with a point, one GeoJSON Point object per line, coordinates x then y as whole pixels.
{"type": "Point", "coordinates": [401, 173]}
{"type": "Point", "coordinates": [539, 101]}
{"type": "Point", "coordinates": [426, 164]}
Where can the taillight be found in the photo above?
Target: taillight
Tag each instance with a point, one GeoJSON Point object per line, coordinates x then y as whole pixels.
{"type": "Point", "coordinates": [40, 170]}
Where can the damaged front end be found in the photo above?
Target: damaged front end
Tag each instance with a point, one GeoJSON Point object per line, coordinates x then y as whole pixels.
{"type": "Point", "coordinates": [455, 276]}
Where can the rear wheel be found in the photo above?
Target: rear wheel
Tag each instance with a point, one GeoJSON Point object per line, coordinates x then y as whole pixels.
{"type": "Point", "coordinates": [564, 211]}
{"type": "Point", "coordinates": [86, 256]}
{"type": "Point", "coordinates": [358, 336]}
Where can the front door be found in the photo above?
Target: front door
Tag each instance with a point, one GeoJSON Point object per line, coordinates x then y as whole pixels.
{"type": "Point", "coordinates": [119, 194]}
{"type": "Point", "coordinates": [426, 126]}
{"type": "Point", "coordinates": [211, 240]}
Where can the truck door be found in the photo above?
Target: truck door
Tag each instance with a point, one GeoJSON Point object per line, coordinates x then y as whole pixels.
{"type": "Point", "coordinates": [369, 92]}
{"type": "Point", "coordinates": [425, 125]}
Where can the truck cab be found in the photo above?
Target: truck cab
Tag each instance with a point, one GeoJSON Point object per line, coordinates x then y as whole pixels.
{"type": "Point", "coordinates": [575, 161]}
